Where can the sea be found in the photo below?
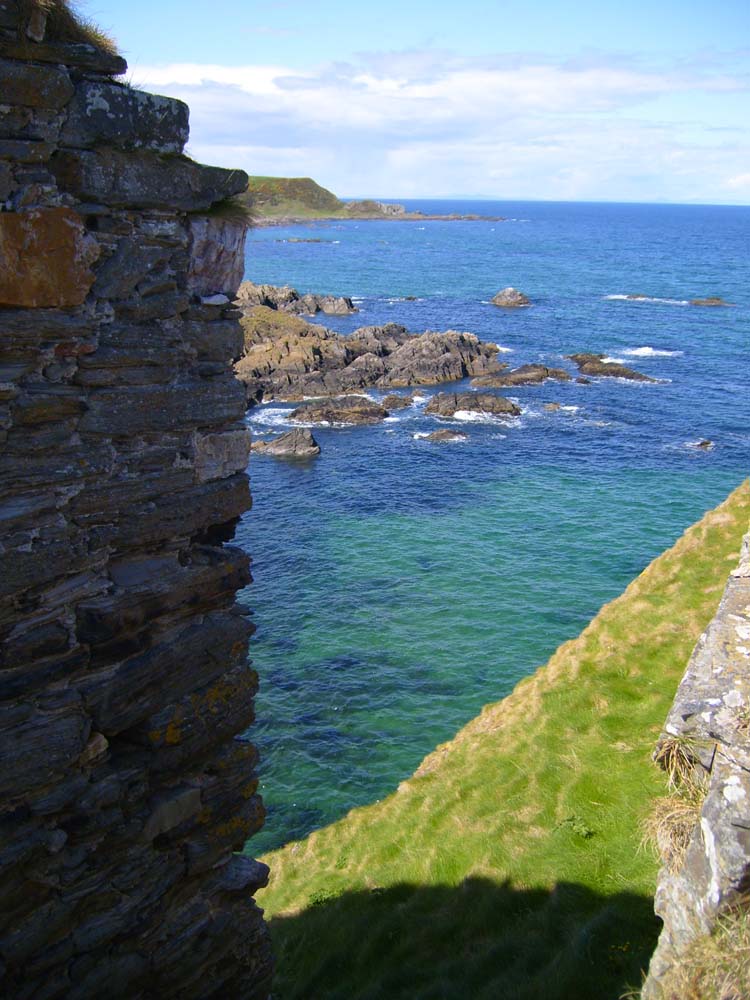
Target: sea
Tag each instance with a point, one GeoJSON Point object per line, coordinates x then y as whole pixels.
{"type": "Point", "coordinates": [400, 585]}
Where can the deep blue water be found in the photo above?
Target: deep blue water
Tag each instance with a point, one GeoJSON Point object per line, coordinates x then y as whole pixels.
{"type": "Point", "coordinates": [400, 585]}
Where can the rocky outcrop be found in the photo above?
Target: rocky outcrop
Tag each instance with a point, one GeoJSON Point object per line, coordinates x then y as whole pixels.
{"type": "Point", "coordinates": [339, 410]}
{"type": "Point", "coordinates": [298, 443]}
{"type": "Point", "coordinates": [124, 679]}
{"type": "Point", "coordinates": [595, 365]}
{"type": "Point", "coordinates": [288, 359]}
{"type": "Point", "coordinates": [706, 739]}
{"type": "Point", "coordinates": [447, 404]}
{"type": "Point", "coordinates": [510, 298]}
{"type": "Point", "coordinates": [446, 437]}
{"type": "Point", "coordinates": [524, 375]}
{"type": "Point", "coordinates": [289, 300]}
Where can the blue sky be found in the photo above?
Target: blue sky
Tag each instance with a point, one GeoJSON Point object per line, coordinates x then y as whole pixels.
{"type": "Point", "coordinates": [638, 101]}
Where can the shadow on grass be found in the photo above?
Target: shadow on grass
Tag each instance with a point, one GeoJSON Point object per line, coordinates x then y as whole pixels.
{"type": "Point", "coordinates": [478, 940]}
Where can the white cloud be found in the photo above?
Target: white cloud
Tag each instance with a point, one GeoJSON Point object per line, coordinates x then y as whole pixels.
{"type": "Point", "coordinates": [427, 123]}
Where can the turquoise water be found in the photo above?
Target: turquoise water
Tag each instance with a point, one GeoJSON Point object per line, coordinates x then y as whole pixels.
{"type": "Point", "coordinates": [400, 585]}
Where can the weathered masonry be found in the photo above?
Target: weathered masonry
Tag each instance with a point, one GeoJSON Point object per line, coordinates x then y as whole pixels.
{"type": "Point", "coordinates": [123, 667]}
{"type": "Point", "coordinates": [708, 726]}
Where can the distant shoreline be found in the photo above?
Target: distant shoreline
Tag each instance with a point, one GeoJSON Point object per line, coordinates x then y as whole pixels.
{"type": "Point", "coordinates": [300, 219]}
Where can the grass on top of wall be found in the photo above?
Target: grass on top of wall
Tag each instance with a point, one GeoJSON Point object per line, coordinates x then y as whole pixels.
{"type": "Point", "coordinates": [509, 865]}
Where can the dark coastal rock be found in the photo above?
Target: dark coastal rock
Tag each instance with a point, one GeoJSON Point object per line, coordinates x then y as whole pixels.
{"type": "Point", "coordinates": [339, 410]}
{"type": "Point", "coordinates": [438, 357]}
{"type": "Point", "coordinates": [289, 300]}
{"type": "Point", "coordinates": [298, 443]}
{"type": "Point", "coordinates": [446, 404]}
{"type": "Point", "coordinates": [286, 358]}
{"type": "Point", "coordinates": [446, 436]}
{"type": "Point", "coordinates": [510, 298]}
{"type": "Point", "coordinates": [525, 375]}
{"type": "Point", "coordinates": [396, 402]}
{"type": "Point", "coordinates": [595, 365]}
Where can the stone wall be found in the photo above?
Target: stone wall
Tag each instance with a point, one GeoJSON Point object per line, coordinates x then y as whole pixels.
{"type": "Point", "coordinates": [709, 728]}
{"type": "Point", "coordinates": [124, 791]}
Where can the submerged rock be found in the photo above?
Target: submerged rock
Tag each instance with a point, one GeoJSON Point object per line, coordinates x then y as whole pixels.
{"type": "Point", "coordinates": [340, 410]}
{"type": "Point", "coordinates": [594, 364]}
{"type": "Point", "coordinates": [447, 404]}
{"type": "Point", "coordinates": [510, 298]}
{"type": "Point", "coordinates": [447, 437]}
{"type": "Point", "coordinates": [711, 300]}
{"type": "Point", "coordinates": [298, 443]}
{"type": "Point", "coordinates": [525, 375]}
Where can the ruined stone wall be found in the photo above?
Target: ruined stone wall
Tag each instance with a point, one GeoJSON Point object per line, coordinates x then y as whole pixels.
{"type": "Point", "coordinates": [123, 667]}
{"type": "Point", "coordinates": [709, 728]}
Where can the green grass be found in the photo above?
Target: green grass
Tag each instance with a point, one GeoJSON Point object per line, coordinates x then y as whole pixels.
{"type": "Point", "coordinates": [509, 865]}
{"type": "Point", "coordinates": [279, 197]}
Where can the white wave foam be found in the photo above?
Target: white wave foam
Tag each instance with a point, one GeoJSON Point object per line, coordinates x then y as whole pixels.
{"type": "Point", "coordinates": [474, 417]}
{"type": "Point", "coordinates": [271, 417]}
{"type": "Point", "coordinates": [421, 434]}
{"type": "Point", "coordinates": [570, 409]}
{"type": "Point", "coordinates": [651, 352]}
{"type": "Point", "coordinates": [648, 298]}
{"type": "Point", "coordinates": [612, 361]}
{"type": "Point", "coordinates": [504, 350]}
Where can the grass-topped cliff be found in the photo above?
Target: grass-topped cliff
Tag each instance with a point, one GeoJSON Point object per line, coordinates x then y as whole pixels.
{"type": "Point", "coordinates": [281, 197]}
{"type": "Point", "coordinates": [510, 865]}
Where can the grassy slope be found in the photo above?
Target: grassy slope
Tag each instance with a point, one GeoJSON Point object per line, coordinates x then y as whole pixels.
{"type": "Point", "coordinates": [281, 197]}
{"type": "Point", "coordinates": [509, 865]}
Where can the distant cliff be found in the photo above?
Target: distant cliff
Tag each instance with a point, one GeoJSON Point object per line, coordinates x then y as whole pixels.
{"type": "Point", "coordinates": [297, 199]}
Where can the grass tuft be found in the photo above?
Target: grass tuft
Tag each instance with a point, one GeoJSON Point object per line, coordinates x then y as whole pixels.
{"type": "Point", "coordinates": [717, 965]}
{"type": "Point", "coordinates": [65, 24]}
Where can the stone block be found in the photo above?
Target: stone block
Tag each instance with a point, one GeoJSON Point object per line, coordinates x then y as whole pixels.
{"type": "Point", "coordinates": [119, 697]}
{"type": "Point", "coordinates": [45, 258]}
{"type": "Point", "coordinates": [118, 115]}
{"type": "Point", "coordinates": [147, 409]}
{"type": "Point", "coordinates": [130, 264]}
{"type": "Point", "coordinates": [171, 808]}
{"type": "Point", "coordinates": [38, 744]}
{"type": "Point", "coordinates": [221, 340]}
{"type": "Point", "coordinates": [220, 455]}
{"type": "Point", "coordinates": [34, 86]}
{"type": "Point", "coordinates": [25, 150]}
{"type": "Point", "coordinates": [144, 180]}
{"type": "Point", "coordinates": [217, 255]}
{"type": "Point", "coordinates": [78, 54]}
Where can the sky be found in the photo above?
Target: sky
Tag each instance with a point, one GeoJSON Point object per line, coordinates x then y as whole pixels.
{"type": "Point", "coordinates": [646, 100]}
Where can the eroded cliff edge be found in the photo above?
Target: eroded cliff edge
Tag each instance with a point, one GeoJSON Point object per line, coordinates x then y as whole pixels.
{"type": "Point", "coordinates": [705, 745]}
{"type": "Point", "coordinates": [123, 671]}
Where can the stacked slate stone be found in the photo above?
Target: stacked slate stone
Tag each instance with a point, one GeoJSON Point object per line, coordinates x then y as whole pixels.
{"type": "Point", "coordinates": [708, 723]}
{"type": "Point", "coordinates": [124, 791]}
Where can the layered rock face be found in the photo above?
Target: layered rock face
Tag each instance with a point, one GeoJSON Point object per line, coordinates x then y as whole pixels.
{"type": "Point", "coordinates": [123, 673]}
{"type": "Point", "coordinates": [708, 728]}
